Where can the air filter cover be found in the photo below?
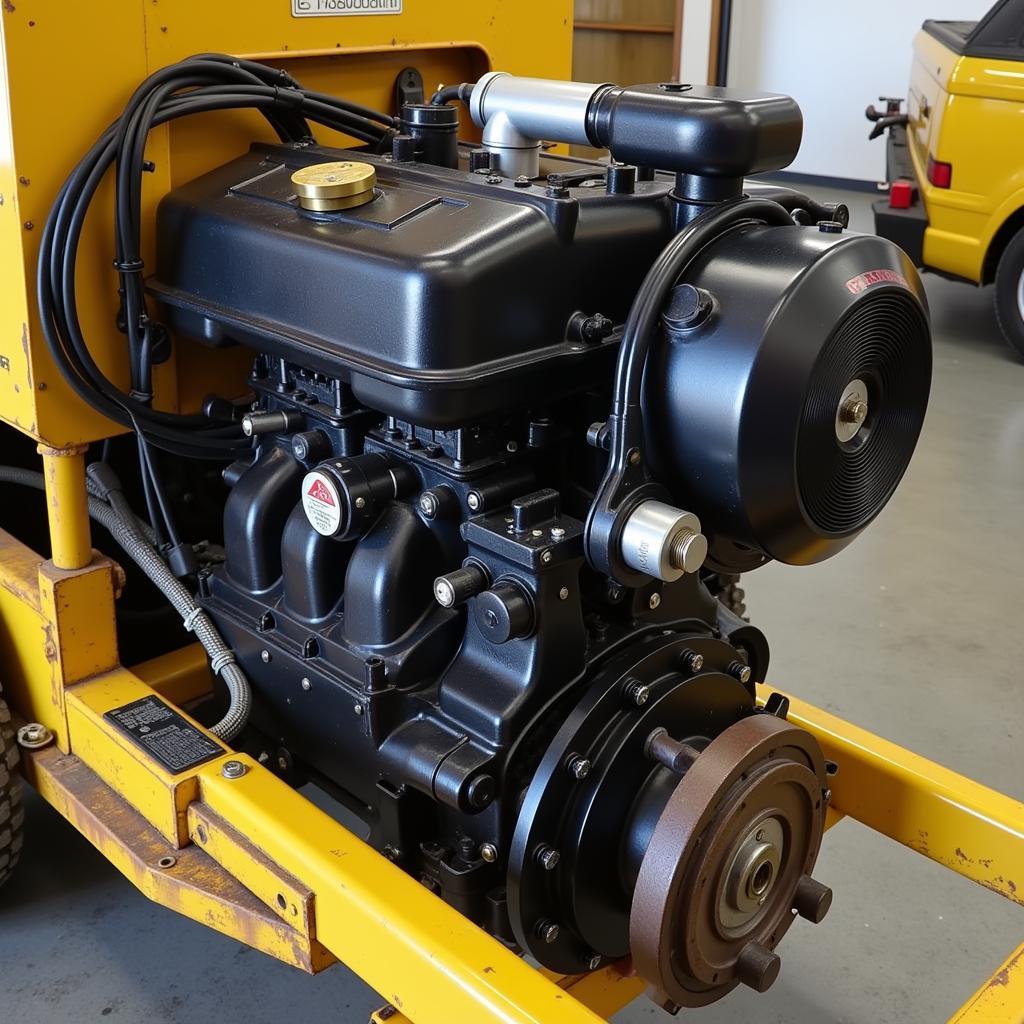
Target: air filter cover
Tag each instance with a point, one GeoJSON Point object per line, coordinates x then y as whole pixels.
{"type": "Point", "coordinates": [788, 415]}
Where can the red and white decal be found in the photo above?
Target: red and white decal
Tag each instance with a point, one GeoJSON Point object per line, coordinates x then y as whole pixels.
{"type": "Point", "coordinates": [321, 503]}
{"type": "Point", "coordinates": [862, 282]}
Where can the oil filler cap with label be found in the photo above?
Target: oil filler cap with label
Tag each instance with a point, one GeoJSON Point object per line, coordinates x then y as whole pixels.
{"type": "Point", "coordinates": [340, 185]}
{"type": "Point", "coordinates": [321, 501]}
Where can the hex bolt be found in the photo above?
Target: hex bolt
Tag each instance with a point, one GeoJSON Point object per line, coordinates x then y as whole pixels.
{"type": "Point", "coordinates": [636, 693]}
{"type": "Point", "coordinates": [757, 966]}
{"type": "Point", "coordinates": [692, 660]}
{"type": "Point", "coordinates": [428, 504]}
{"type": "Point", "coordinates": [548, 857]}
{"type": "Point", "coordinates": [493, 179]}
{"type": "Point", "coordinates": [305, 684]}
{"type": "Point", "coordinates": [488, 852]}
{"type": "Point", "coordinates": [557, 533]}
{"type": "Point", "coordinates": [34, 736]}
{"type": "Point", "coordinates": [579, 766]}
{"type": "Point", "coordinates": [811, 899]}
{"type": "Point", "coordinates": [233, 769]}
{"type": "Point", "coordinates": [592, 961]}
{"type": "Point", "coordinates": [739, 671]}
{"type": "Point", "coordinates": [547, 930]}
{"type": "Point", "coordinates": [546, 556]}
{"type": "Point", "coordinates": [563, 594]}
{"type": "Point", "coordinates": [522, 181]}
{"type": "Point", "coordinates": [265, 657]}
{"type": "Point", "coordinates": [654, 601]}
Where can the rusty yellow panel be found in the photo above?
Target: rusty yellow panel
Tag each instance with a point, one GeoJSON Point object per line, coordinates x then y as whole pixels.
{"type": "Point", "coordinates": [109, 46]}
{"type": "Point", "coordinates": [1001, 999]}
{"type": "Point", "coordinates": [79, 604]}
{"type": "Point", "coordinates": [961, 824]}
{"type": "Point", "coordinates": [28, 651]}
{"type": "Point", "coordinates": [187, 881]}
{"type": "Point", "coordinates": [180, 676]}
{"type": "Point", "coordinates": [282, 893]}
{"type": "Point", "coordinates": [160, 797]}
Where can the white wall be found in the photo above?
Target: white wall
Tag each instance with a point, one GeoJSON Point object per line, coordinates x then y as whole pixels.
{"type": "Point", "coordinates": [833, 58]}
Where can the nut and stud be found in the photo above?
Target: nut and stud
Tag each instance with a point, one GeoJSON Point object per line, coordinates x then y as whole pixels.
{"type": "Point", "coordinates": [579, 766]}
{"type": "Point", "coordinates": [636, 692]}
{"type": "Point", "coordinates": [233, 769]}
{"type": "Point", "coordinates": [547, 930]}
{"type": "Point", "coordinates": [739, 671]}
{"type": "Point", "coordinates": [34, 736]}
{"type": "Point", "coordinates": [488, 852]}
{"type": "Point", "coordinates": [548, 857]}
{"type": "Point", "coordinates": [692, 660]}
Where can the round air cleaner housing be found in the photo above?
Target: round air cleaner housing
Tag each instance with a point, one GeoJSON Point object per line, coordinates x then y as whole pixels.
{"type": "Point", "coordinates": [786, 414]}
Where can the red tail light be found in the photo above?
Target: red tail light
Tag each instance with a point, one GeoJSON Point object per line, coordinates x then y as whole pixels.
{"type": "Point", "coordinates": [939, 174]}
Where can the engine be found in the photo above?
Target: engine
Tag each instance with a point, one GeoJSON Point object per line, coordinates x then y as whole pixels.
{"type": "Point", "coordinates": [518, 421]}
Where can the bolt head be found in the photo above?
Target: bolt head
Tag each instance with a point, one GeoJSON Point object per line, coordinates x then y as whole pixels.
{"type": "Point", "coordinates": [306, 684]}
{"type": "Point", "coordinates": [488, 852]}
{"type": "Point", "coordinates": [592, 961]}
{"type": "Point", "coordinates": [548, 858]}
{"type": "Point", "coordinates": [563, 594]}
{"type": "Point", "coordinates": [579, 767]}
{"type": "Point", "coordinates": [546, 557]}
{"type": "Point", "coordinates": [641, 695]}
{"type": "Point", "coordinates": [557, 533]}
{"type": "Point", "coordinates": [34, 736]}
{"type": "Point", "coordinates": [265, 657]}
{"type": "Point", "coordinates": [654, 601]}
{"type": "Point", "coordinates": [444, 592]}
{"type": "Point", "coordinates": [473, 500]}
{"type": "Point", "coordinates": [428, 504]}
{"type": "Point", "coordinates": [233, 769]}
{"type": "Point", "coordinates": [357, 708]}
{"type": "Point", "coordinates": [548, 931]}
{"type": "Point", "coordinates": [744, 674]}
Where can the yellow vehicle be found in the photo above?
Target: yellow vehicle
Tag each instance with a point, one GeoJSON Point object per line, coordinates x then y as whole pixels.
{"type": "Point", "coordinates": [955, 158]}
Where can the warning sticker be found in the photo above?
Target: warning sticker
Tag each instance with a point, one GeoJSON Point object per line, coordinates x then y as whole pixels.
{"type": "Point", "coordinates": [321, 503]}
{"type": "Point", "coordinates": [163, 734]}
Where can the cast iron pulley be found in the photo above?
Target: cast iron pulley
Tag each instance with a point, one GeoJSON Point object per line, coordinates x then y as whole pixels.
{"type": "Point", "coordinates": [729, 864]}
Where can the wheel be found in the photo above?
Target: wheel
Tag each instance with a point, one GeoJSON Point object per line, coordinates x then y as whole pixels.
{"type": "Point", "coordinates": [1010, 294]}
{"type": "Point", "coordinates": [12, 814]}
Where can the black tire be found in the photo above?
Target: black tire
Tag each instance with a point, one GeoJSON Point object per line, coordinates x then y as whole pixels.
{"type": "Point", "coordinates": [1010, 294]}
{"type": "Point", "coordinates": [12, 814]}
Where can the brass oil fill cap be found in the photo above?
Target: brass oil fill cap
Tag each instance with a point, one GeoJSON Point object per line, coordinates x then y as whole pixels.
{"type": "Point", "coordinates": [334, 186]}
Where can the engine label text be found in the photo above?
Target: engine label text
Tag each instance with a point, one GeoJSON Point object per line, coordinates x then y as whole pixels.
{"type": "Point", "coordinates": [327, 8]}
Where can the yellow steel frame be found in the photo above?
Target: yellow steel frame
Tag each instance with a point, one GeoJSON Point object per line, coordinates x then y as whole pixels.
{"type": "Point", "coordinates": [249, 856]}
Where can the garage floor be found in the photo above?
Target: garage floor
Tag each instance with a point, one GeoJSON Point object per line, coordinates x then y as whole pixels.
{"type": "Point", "coordinates": [914, 632]}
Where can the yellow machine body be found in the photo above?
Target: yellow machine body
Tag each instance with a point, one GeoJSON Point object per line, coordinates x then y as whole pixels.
{"type": "Point", "coordinates": [240, 850]}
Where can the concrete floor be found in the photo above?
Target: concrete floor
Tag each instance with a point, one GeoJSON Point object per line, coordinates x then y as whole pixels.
{"type": "Point", "coordinates": [913, 632]}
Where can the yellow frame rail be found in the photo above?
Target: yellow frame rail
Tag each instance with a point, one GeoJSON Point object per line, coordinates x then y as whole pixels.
{"type": "Point", "coordinates": [256, 860]}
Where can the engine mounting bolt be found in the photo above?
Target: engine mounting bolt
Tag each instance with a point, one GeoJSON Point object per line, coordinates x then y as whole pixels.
{"type": "Point", "coordinates": [305, 684]}
{"type": "Point", "coordinates": [265, 657]}
{"type": "Point", "coordinates": [739, 671]}
{"type": "Point", "coordinates": [488, 852]}
{"type": "Point", "coordinates": [579, 766]}
{"type": "Point", "coordinates": [233, 769]}
{"type": "Point", "coordinates": [636, 692]}
{"type": "Point", "coordinates": [34, 736]}
{"type": "Point", "coordinates": [563, 594]}
{"type": "Point", "coordinates": [557, 533]}
{"type": "Point", "coordinates": [548, 931]}
{"type": "Point", "coordinates": [692, 660]}
{"type": "Point", "coordinates": [548, 857]}
{"type": "Point", "coordinates": [592, 961]}
{"type": "Point", "coordinates": [654, 601]}
{"type": "Point", "coordinates": [473, 500]}
{"type": "Point", "coordinates": [428, 504]}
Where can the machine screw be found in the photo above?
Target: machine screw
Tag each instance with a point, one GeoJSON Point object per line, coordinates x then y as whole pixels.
{"type": "Point", "coordinates": [579, 766]}
{"type": "Point", "coordinates": [305, 684]}
{"type": "Point", "coordinates": [493, 179]}
{"type": "Point", "coordinates": [636, 692]}
{"type": "Point", "coordinates": [557, 533]}
{"type": "Point", "coordinates": [548, 857]}
{"type": "Point", "coordinates": [563, 594]}
{"type": "Point", "coordinates": [547, 930]}
{"type": "Point", "coordinates": [473, 501]}
{"type": "Point", "coordinates": [233, 769]}
{"type": "Point", "coordinates": [654, 601]}
{"type": "Point", "coordinates": [692, 660]}
{"type": "Point", "coordinates": [34, 736]}
{"type": "Point", "coordinates": [739, 671]}
{"type": "Point", "coordinates": [545, 557]}
{"type": "Point", "coordinates": [488, 852]}
{"type": "Point", "coordinates": [592, 961]}
{"type": "Point", "coordinates": [522, 181]}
